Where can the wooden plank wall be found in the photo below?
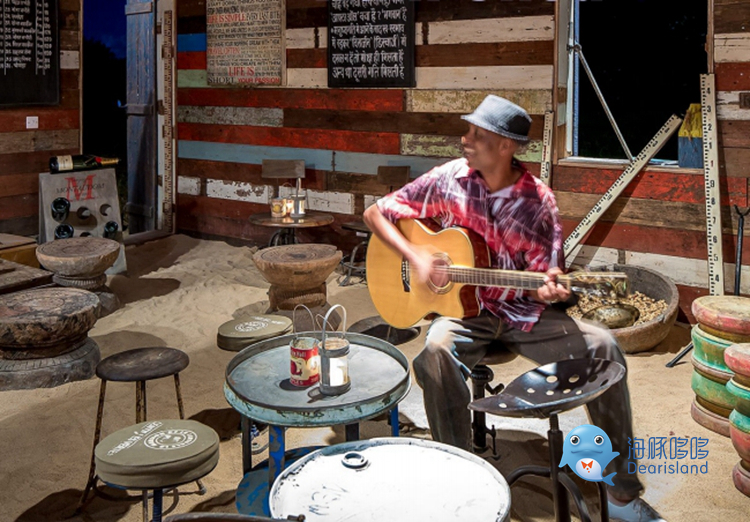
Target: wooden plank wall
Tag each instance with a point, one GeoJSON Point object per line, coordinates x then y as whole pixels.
{"type": "Point", "coordinates": [25, 153]}
{"type": "Point", "coordinates": [465, 49]}
{"type": "Point", "coordinates": [660, 221]}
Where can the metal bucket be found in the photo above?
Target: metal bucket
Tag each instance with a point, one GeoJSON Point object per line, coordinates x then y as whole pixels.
{"type": "Point", "coordinates": [391, 479]}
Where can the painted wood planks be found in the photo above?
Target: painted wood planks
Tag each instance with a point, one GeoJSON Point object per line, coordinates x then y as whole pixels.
{"type": "Point", "coordinates": [19, 184]}
{"type": "Point", "coordinates": [485, 54]}
{"type": "Point", "coordinates": [245, 172]}
{"type": "Point", "coordinates": [14, 120]}
{"type": "Point", "coordinates": [30, 141]}
{"type": "Point", "coordinates": [654, 240]}
{"type": "Point", "coordinates": [663, 186]}
{"type": "Point", "coordinates": [331, 99]}
{"type": "Point", "coordinates": [728, 106]}
{"type": "Point", "coordinates": [443, 124]}
{"type": "Point", "coordinates": [522, 29]}
{"type": "Point", "coordinates": [18, 206]}
{"type": "Point", "coordinates": [734, 133]}
{"type": "Point", "coordinates": [255, 116]}
{"type": "Point", "coordinates": [734, 162]}
{"type": "Point", "coordinates": [633, 211]}
{"type": "Point", "coordinates": [191, 60]}
{"type": "Point", "coordinates": [502, 77]}
{"type": "Point", "coordinates": [317, 159]}
{"type": "Point", "coordinates": [731, 47]}
{"type": "Point", "coordinates": [731, 16]}
{"type": "Point", "coordinates": [462, 101]}
{"type": "Point", "coordinates": [29, 162]}
{"type": "Point", "coordinates": [429, 11]}
{"type": "Point", "coordinates": [374, 142]}
{"type": "Point", "coordinates": [733, 76]}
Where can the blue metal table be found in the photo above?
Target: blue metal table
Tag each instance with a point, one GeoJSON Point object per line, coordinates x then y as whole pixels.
{"type": "Point", "coordinates": [257, 386]}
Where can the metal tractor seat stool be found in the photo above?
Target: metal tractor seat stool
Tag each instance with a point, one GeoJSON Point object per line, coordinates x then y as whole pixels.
{"type": "Point", "coordinates": [157, 455]}
{"type": "Point", "coordinates": [543, 393]}
{"type": "Point", "coordinates": [481, 377]}
{"type": "Point", "coordinates": [137, 365]}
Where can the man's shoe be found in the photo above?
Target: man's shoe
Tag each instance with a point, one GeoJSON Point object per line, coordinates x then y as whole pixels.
{"type": "Point", "coordinates": [636, 510]}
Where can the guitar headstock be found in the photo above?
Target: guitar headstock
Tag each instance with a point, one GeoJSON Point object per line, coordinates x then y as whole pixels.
{"type": "Point", "coordinates": [610, 285]}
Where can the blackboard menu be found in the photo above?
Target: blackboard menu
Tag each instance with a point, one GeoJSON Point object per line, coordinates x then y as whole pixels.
{"type": "Point", "coordinates": [29, 52]}
{"type": "Point", "coordinates": [371, 43]}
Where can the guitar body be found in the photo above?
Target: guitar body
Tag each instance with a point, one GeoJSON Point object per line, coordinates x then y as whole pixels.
{"type": "Point", "coordinates": [400, 299]}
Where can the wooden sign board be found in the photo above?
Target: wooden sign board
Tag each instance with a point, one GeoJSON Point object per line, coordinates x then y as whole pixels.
{"type": "Point", "coordinates": [371, 43]}
{"type": "Point", "coordinates": [245, 42]}
{"type": "Point", "coordinates": [92, 190]}
{"type": "Point", "coordinates": [29, 53]}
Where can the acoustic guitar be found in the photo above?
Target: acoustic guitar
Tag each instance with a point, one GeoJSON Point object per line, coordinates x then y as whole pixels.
{"type": "Point", "coordinates": [464, 258]}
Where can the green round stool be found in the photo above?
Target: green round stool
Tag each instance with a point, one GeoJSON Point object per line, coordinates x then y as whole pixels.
{"type": "Point", "coordinates": [157, 455]}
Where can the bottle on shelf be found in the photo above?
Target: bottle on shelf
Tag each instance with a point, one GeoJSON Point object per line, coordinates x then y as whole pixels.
{"type": "Point", "coordinates": [110, 229]}
{"type": "Point", "coordinates": [83, 213]}
{"type": "Point", "coordinates": [79, 162]}
{"type": "Point", "coordinates": [63, 231]}
{"type": "Point", "coordinates": [60, 208]}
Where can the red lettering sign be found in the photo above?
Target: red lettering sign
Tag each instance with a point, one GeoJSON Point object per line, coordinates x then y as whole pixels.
{"type": "Point", "coordinates": [88, 186]}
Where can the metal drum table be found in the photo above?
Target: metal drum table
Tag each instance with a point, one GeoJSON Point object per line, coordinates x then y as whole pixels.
{"type": "Point", "coordinates": [257, 386]}
{"type": "Point", "coordinates": [391, 479]}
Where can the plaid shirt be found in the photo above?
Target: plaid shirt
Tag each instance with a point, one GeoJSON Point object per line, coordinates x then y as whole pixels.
{"type": "Point", "coordinates": [520, 225]}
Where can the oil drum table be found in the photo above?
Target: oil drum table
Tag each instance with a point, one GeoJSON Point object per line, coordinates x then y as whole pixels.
{"type": "Point", "coordinates": [257, 386]}
{"type": "Point", "coordinates": [287, 225]}
{"type": "Point", "coordinates": [44, 337]}
{"type": "Point", "coordinates": [391, 479]}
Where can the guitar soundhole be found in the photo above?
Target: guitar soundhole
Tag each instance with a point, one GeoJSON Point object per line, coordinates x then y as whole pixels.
{"type": "Point", "coordinates": [440, 281]}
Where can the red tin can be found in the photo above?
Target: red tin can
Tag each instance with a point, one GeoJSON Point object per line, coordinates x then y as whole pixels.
{"type": "Point", "coordinates": [304, 361]}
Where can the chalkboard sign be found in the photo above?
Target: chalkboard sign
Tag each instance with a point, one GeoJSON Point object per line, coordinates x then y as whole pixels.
{"type": "Point", "coordinates": [29, 53]}
{"type": "Point", "coordinates": [371, 43]}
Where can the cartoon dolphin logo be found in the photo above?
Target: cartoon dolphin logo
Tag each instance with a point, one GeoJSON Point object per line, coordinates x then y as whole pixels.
{"type": "Point", "coordinates": [587, 451]}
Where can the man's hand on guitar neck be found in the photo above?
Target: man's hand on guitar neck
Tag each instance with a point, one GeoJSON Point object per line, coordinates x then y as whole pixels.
{"type": "Point", "coordinates": [552, 291]}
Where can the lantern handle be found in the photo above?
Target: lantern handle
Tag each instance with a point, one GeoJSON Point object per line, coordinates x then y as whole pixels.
{"type": "Point", "coordinates": [294, 319]}
{"type": "Point", "coordinates": [325, 322]}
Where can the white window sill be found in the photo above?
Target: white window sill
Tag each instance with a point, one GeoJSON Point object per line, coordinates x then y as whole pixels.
{"type": "Point", "coordinates": [578, 161]}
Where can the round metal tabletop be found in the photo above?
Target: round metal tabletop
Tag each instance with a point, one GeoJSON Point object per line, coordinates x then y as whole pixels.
{"type": "Point", "coordinates": [257, 384]}
{"type": "Point", "coordinates": [310, 219]}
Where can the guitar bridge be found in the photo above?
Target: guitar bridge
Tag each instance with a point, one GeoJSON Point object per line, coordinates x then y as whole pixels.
{"type": "Point", "coordinates": [405, 277]}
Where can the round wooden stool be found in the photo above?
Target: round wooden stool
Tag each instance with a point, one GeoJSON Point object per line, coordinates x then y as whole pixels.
{"type": "Point", "coordinates": [138, 365]}
{"type": "Point", "coordinates": [297, 274]}
{"type": "Point", "coordinates": [44, 337]}
{"type": "Point", "coordinates": [80, 262]}
{"type": "Point", "coordinates": [157, 455]}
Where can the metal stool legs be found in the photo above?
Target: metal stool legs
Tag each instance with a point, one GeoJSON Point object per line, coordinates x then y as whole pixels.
{"type": "Point", "coordinates": [562, 484]}
{"type": "Point", "coordinates": [141, 415]}
{"type": "Point", "coordinates": [481, 377]}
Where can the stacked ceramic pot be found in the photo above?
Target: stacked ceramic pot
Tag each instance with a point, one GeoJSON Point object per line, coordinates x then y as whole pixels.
{"type": "Point", "coordinates": [44, 338]}
{"type": "Point", "coordinates": [722, 322]}
{"type": "Point", "coordinates": [737, 358]}
{"type": "Point", "coordinates": [80, 262]}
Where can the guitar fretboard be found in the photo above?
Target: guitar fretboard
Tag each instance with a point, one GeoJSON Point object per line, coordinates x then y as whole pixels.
{"type": "Point", "coordinates": [497, 277]}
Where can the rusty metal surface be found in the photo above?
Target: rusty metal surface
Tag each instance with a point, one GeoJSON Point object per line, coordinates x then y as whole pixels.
{"type": "Point", "coordinates": [391, 479]}
{"type": "Point", "coordinates": [257, 384]}
{"type": "Point", "coordinates": [309, 220]}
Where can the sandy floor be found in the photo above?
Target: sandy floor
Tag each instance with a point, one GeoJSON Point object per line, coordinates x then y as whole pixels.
{"type": "Point", "coordinates": [178, 291]}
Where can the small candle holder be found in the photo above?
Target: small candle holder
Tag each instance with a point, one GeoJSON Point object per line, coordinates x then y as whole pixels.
{"type": "Point", "coordinates": [277, 207]}
{"type": "Point", "coordinates": [298, 209]}
{"type": "Point", "coordinates": [334, 362]}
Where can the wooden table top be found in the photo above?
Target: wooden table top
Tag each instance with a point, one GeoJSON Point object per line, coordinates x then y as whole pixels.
{"type": "Point", "coordinates": [310, 219]}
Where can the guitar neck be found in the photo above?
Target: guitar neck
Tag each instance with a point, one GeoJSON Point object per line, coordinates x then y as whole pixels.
{"type": "Point", "coordinates": [496, 277]}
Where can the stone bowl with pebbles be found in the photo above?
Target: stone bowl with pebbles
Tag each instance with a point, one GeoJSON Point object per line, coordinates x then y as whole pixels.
{"type": "Point", "coordinates": [652, 294]}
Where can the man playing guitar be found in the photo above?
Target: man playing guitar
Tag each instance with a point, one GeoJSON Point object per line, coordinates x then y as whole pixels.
{"type": "Point", "coordinates": [492, 194]}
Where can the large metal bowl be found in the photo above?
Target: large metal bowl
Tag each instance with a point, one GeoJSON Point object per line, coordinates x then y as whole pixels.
{"type": "Point", "coordinates": [642, 337]}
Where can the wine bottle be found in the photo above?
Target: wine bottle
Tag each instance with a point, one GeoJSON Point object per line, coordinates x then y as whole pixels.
{"type": "Point", "coordinates": [79, 162]}
{"type": "Point", "coordinates": [60, 208]}
{"type": "Point", "coordinates": [63, 231]}
{"type": "Point", "coordinates": [83, 213]}
{"type": "Point", "coordinates": [110, 229]}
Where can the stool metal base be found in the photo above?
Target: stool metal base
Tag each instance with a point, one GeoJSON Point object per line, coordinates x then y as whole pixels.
{"type": "Point", "coordinates": [140, 416]}
{"type": "Point", "coordinates": [562, 484]}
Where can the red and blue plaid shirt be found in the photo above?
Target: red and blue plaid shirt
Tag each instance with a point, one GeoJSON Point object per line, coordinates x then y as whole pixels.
{"type": "Point", "coordinates": [519, 223]}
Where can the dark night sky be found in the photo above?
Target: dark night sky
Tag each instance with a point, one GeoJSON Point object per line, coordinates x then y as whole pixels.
{"type": "Point", "coordinates": [104, 21]}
